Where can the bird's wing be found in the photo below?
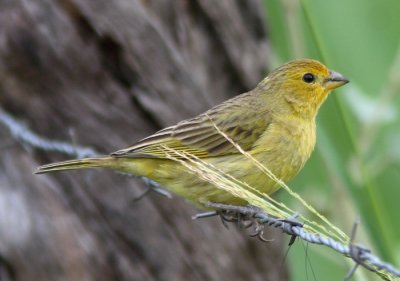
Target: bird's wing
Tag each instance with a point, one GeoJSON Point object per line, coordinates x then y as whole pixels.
{"type": "Point", "coordinates": [199, 137]}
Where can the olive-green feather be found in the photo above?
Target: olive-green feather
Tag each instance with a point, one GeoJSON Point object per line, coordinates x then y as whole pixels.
{"type": "Point", "coordinates": [200, 137]}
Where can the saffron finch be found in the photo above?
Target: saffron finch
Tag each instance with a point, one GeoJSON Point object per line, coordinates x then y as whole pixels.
{"type": "Point", "coordinates": [274, 123]}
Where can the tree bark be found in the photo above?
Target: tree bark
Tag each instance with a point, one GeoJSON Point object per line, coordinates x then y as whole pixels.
{"type": "Point", "coordinates": [105, 74]}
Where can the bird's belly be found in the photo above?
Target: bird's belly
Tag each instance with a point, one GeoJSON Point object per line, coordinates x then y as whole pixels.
{"type": "Point", "coordinates": [197, 190]}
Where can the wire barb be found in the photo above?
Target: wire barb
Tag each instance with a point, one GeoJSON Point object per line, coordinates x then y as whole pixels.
{"type": "Point", "coordinates": [356, 253]}
{"type": "Point", "coordinates": [293, 220]}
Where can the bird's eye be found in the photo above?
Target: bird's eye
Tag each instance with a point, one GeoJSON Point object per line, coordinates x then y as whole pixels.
{"type": "Point", "coordinates": [308, 78]}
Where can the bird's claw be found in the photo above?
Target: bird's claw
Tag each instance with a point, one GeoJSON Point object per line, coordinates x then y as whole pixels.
{"type": "Point", "coordinates": [259, 233]}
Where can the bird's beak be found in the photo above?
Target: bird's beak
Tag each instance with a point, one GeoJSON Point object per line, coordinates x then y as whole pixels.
{"type": "Point", "coordinates": [334, 80]}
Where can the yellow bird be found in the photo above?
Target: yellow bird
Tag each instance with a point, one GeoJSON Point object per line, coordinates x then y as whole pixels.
{"type": "Point", "coordinates": [274, 123]}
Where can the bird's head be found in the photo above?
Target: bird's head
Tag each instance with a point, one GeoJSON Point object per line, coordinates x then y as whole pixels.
{"type": "Point", "coordinates": [303, 84]}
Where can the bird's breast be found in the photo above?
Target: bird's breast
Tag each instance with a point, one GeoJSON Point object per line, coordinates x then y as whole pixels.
{"type": "Point", "coordinates": [286, 146]}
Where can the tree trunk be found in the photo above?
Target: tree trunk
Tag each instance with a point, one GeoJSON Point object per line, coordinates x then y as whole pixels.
{"type": "Point", "coordinates": [104, 74]}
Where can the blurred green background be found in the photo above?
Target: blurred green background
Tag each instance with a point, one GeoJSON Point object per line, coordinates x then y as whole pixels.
{"type": "Point", "coordinates": [355, 170]}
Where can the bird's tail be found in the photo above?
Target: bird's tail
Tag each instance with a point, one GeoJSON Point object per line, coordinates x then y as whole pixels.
{"type": "Point", "coordinates": [85, 163]}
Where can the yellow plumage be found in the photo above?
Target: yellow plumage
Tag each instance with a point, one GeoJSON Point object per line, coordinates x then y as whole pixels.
{"type": "Point", "coordinates": [274, 123]}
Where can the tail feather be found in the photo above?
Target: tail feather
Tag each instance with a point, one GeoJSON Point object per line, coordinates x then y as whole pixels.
{"type": "Point", "coordinates": [86, 163]}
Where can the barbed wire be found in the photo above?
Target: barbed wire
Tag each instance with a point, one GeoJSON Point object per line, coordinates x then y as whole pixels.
{"type": "Point", "coordinates": [361, 255]}
{"type": "Point", "coordinates": [21, 133]}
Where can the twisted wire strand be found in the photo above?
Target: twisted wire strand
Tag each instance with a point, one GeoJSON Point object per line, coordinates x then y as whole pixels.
{"type": "Point", "coordinates": [361, 255]}
{"type": "Point", "coordinates": [22, 133]}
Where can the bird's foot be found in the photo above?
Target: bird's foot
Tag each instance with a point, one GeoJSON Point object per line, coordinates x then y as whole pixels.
{"type": "Point", "coordinates": [243, 216]}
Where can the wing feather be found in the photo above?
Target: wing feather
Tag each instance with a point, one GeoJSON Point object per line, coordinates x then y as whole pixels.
{"type": "Point", "coordinates": [240, 121]}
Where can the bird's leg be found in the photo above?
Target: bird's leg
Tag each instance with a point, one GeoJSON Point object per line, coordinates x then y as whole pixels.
{"type": "Point", "coordinates": [242, 220]}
